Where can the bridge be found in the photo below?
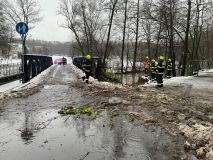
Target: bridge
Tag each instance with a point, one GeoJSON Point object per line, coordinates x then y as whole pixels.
{"type": "Point", "coordinates": [29, 67]}
{"type": "Point", "coordinates": [32, 65]}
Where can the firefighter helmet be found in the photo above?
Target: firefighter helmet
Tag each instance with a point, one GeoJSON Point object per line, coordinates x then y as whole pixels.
{"type": "Point", "coordinates": [153, 61]}
{"type": "Point", "coordinates": [161, 58]}
{"type": "Point", "coordinates": [88, 56]}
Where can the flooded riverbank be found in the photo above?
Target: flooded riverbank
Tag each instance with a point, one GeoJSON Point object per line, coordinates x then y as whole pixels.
{"type": "Point", "coordinates": [130, 79]}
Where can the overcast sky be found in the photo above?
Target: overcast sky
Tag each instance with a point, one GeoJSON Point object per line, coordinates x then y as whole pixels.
{"type": "Point", "coordinates": [49, 28]}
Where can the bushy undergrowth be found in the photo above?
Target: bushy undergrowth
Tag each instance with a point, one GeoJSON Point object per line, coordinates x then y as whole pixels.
{"type": "Point", "coordinates": [109, 76]}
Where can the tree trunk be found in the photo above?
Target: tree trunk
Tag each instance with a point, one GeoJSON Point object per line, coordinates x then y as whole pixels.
{"type": "Point", "coordinates": [171, 45]}
{"type": "Point", "coordinates": [136, 39]}
{"type": "Point", "coordinates": [185, 55]}
{"type": "Point", "coordinates": [158, 40]}
{"type": "Point", "coordinates": [124, 34]}
{"type": "Point", "coordinates": [149, 46]}
{"type": "Point", "coordinates": [148, 27]}
{"type": "Point", "coordinates": [109, 32]}
{"type": "Point", "coordinates": [127, 53]}
{"type": "Point", "coordinates": [166, 45]}
{"type": "Point", "coordinates": [85, 28]}
{"type": "Point", "coordinates": [78, 40]}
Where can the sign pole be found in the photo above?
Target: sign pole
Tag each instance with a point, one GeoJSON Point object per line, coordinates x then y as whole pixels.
{"type": "Point", "coordinates": [22, 29]}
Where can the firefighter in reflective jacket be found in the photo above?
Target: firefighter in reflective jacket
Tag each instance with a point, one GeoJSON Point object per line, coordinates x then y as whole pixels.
{"type": "Point", "coordinates": [146, 66]}
{"type": "Point", "coordinates": [153, 70]}
{"type": "Point", "coordinates": [87, 66]}
{"type": "Point", "coordinates": [160, 71]}
{"type": "Point", "coordinates": [169, 68]}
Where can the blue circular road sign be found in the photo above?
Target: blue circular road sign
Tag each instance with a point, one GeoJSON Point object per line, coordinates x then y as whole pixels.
{"type": "Point", "coordinates": [22, 28]}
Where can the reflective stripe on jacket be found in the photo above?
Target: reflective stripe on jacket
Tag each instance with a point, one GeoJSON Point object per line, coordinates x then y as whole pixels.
{"type": "Point", "coordinates": [87, 65]}
{"type": "Point", "coordinates": [160, 68]}
{"type": "Point", "coordinates": [169, 66]}
{"type": "Point", "coordinates": [153, 68]}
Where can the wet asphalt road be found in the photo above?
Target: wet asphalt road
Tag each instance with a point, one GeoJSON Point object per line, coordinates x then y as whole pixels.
{"type": "Point", "coordinates": [32, 129]}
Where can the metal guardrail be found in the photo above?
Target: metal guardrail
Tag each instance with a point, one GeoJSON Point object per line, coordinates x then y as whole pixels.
{"type": "Point", "coordinates": [9, 70]}
{"type": "Point", "coordinates": [198, 65]}
{"type": "Point", "coordinates": [32, 65]}
{"type": "Point", "coordinates": [96, 65]}
{"type": "Point", "coordinates": [29, 67]}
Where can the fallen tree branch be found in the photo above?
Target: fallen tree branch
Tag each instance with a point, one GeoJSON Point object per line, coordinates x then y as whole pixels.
{"type": "Point", "coordinates": [84, 156]}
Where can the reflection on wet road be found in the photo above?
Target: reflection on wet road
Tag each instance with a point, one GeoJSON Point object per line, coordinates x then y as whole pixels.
{"type": "Point", "coordinates": [32, 129]}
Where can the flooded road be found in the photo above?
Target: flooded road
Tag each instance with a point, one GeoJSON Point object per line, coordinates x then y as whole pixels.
{"type": "Point", "coordinates": [32, 129]}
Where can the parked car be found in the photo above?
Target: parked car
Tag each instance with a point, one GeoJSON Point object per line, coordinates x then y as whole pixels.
{"type": "Point", "coordinates": [58, 61]}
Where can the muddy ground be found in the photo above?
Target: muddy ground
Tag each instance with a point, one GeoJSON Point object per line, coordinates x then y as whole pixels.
{"type": "Point", "coordinates": [145, 123]}
{"type": "Point", "coordinates": [175, 109]}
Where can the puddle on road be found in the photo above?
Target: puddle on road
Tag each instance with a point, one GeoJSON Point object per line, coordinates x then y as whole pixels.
{"type": "Point", "coordinates": [46, 135]}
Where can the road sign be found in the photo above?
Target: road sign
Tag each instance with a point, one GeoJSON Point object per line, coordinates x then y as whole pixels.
{"type": "Point", "coordinates": [22, 28]}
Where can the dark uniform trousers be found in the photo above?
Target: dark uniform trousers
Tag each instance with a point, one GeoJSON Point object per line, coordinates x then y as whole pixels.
{"type": "Point", "coordinates": [87, 75]}
{"type": "Point", "coordinates": [146, 70]}
{"type": "Point", "coordinates": [169, 70]}
{"type": "Point", "coordinates": [153, 72]}
{"type": "Point", "coordinates": [87, 64]}
{"type": "Point", "coordinates": [160, 73]}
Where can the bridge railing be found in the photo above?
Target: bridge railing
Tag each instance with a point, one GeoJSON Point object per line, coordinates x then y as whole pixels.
{"type": "Point", "coordinates": [96, 65]}
{"type": "Point", "coordinates": [9, 67]}
{"type": "Point", "coordinates": [10, 70]}
{"type": "Point", "coordinates": [198, 65]}
{"type": "Point", "coordinates": [32, 65]}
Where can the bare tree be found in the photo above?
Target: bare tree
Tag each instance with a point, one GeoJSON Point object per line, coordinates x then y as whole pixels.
{"type": "Point", "coordinates": [69, 10]}
{"type": "Point", "coordinates": [136, 37]}
{"type": "Point", "coordinates": [170, 30]}
{"type": "Point", "coordinates": [200, 15]}
{"type": "Point", "coordinates": [124, 35]}
{"type": "Point", "coordinates": [4, 31]}
{"type": "Point", "coordinates": [83, 18]}
{"type": "Point", "coordinates": [166, 27]}
{"type": "Point", "coordinates": [26, 11]}
{"type": "Point", "coordinates": [186, 49]}
{"type": "Point", "coordinates": [148, 24]}
{"type": "Point", "coordinates": [113, 4]}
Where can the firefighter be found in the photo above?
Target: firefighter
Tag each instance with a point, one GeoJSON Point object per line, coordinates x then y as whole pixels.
{"type": "Point", "coordinates": [160, 71]}
{"type": "Point", "coordinates": [64, 61]}
{"type": "Point", "coordinates": [87, 66]}
{"type": "Point", "coordinates": [153, 70]}
{"type": "Point", "coordinates": [169, 68]}
{"type": "Point", "coordinates": [146, 66]}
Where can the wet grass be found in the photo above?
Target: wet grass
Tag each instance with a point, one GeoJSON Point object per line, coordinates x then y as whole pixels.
{"type": "Point", "coordinates": [109, 76]}
{"type": "Point", "coordinates": [181, 98]}
{"type": "Point", "coordinates": [209, 109]}
{"type": "Point", "coordinates": [80, 111]}
{"type": "Point", "coordinates": [73, 111]}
